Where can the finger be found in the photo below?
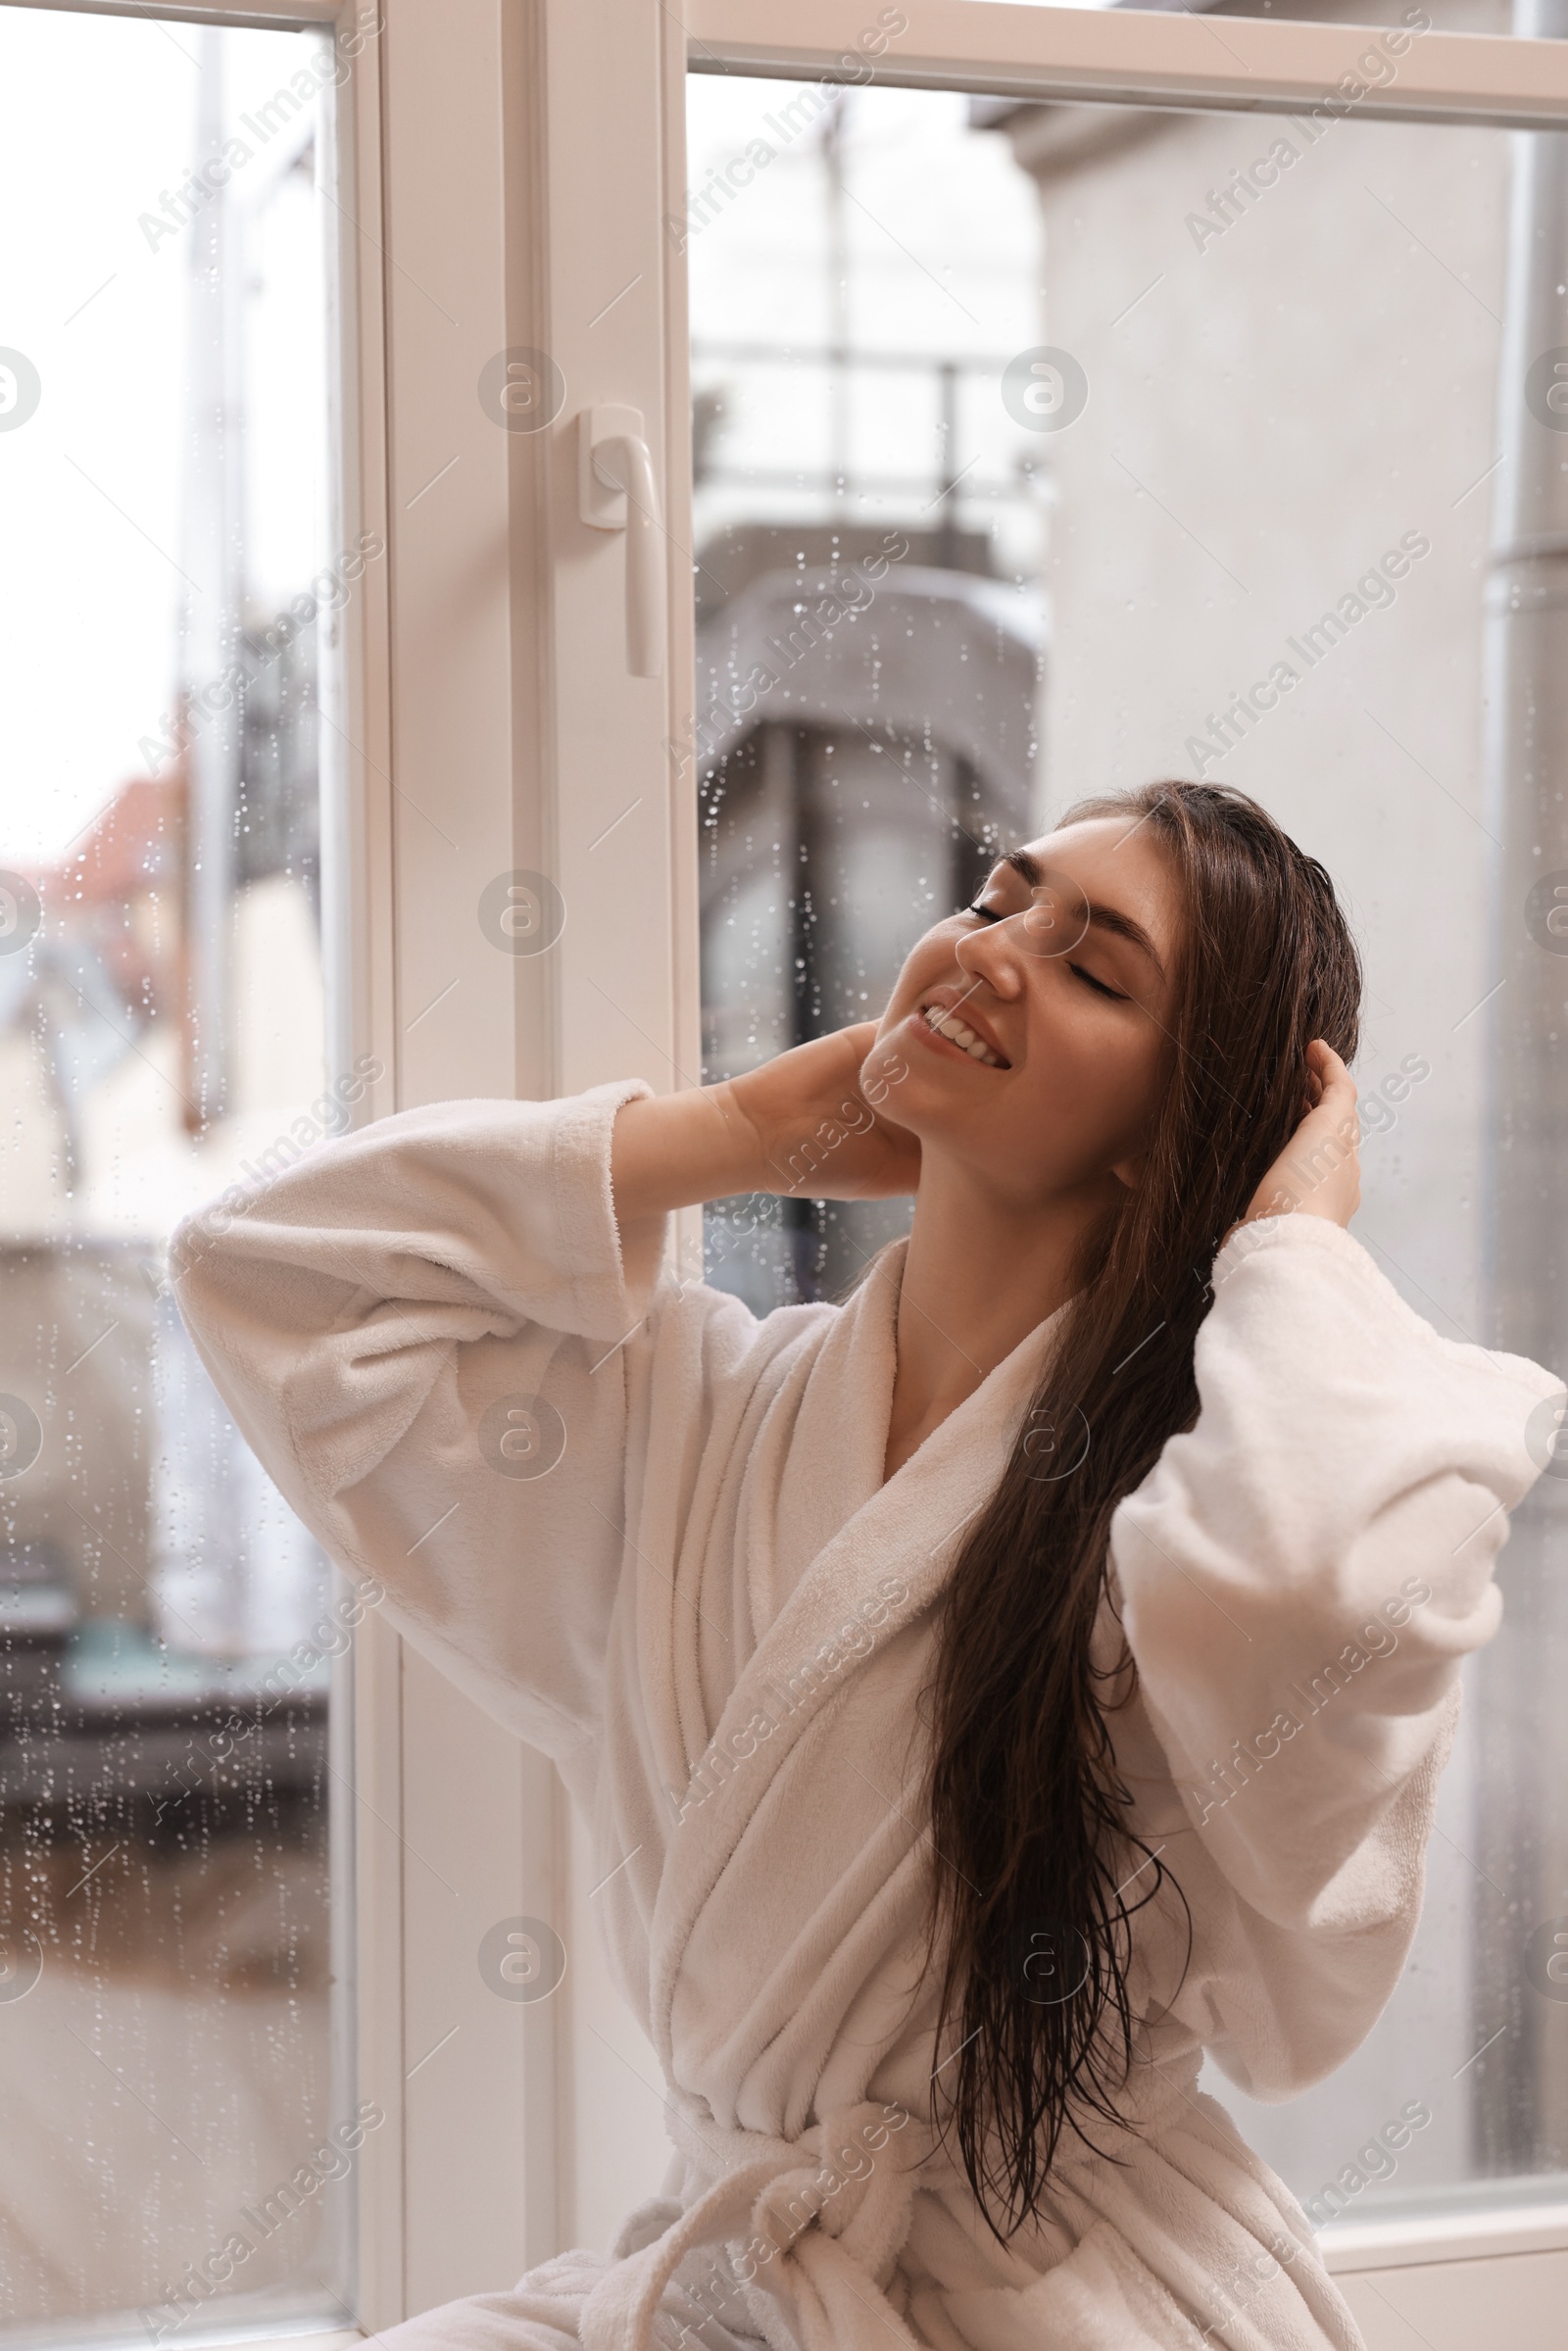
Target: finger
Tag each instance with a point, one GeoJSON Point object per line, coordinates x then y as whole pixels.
{"type": "Point", "coordinates": [1322, 1058]}
{"type": "Point", "coordinates": [1318, 1072]}
{"type": "Point", "coordinates": [1337, 1087]}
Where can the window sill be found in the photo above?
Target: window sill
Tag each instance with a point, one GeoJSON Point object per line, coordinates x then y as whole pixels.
{"type": "Point", "coordinates": [1444, 2237]}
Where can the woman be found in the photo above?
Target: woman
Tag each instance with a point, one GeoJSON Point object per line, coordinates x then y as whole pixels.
{"type": "Point", "coordinates": [989, 1694]}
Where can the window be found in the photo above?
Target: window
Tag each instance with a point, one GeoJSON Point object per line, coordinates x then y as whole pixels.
{"type": "Point", "coordinates": [441, 300]}
{"type": "Point", "coordinates": [1087, 451]}
{"type": "Point", "coordinates": [183, 2122]}
{"type": "Point", "coordinates": [1094, 389]}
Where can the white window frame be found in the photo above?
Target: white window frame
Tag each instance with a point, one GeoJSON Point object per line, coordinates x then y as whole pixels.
{"type": "Point", "coordinates": [573, 80]}
{"type": "Point", "coordinates": [505, 168]}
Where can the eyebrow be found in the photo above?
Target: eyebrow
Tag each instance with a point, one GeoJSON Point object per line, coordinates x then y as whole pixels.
{"type": "Point", "coordinates": [1104, 918]}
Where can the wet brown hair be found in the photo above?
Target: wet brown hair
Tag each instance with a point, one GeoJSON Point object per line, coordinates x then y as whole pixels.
{"type": "Point", "coordinates": [1028, 1813]}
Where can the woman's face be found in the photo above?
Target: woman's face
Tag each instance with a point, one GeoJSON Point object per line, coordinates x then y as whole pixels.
{"type": "Point", "coordinates": [1062, 983]}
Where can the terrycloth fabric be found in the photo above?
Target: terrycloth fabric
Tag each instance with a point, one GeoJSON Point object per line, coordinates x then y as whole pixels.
{"type": "Point", "coordinates": [716, 1618]}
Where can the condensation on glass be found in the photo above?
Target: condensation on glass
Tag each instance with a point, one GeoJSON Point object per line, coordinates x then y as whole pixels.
{"type": "Point", "coordinates": [1041, 450]}
{"type": "Point", "coordinates": [171, 2058]}
{"type": "Point", "coordinates": [868, 539]}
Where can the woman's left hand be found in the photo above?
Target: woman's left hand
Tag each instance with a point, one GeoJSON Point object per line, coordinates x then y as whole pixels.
{"type": "Point", "coordinates": [1319, 1171]}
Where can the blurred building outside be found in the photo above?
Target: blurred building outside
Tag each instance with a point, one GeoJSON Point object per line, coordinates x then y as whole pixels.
{"type": "Point", "coordinates": [165, 1876]}
{"type": "Point", "coordinates": [873, 761]}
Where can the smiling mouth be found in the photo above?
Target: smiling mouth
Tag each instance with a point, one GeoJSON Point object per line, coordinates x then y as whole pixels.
{"type": "Point", "coordinates": [956, 1030]}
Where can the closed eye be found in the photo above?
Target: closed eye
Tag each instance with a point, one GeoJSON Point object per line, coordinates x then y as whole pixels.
{"type": "Point", "coordinates": [1098, 985]}
{"type": "Point", "coordinates": [994, 915]}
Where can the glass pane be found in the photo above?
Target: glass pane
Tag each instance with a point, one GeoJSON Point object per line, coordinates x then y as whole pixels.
{"type": "Point", "coordinates": [1045, 450]}
{"type": "Point", "coordinates": [166, 2037]}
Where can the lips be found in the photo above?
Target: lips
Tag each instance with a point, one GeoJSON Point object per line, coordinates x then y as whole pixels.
{"type": "Point", "coordinates": [964, 1029]}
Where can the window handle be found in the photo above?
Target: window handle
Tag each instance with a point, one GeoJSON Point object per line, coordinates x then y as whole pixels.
{"type": "Point", "coordinates": [616, 491]}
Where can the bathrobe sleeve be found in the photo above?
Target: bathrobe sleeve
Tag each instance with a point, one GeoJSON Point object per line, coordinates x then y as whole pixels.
{"type": "Point", "coordinates": [1301, 1577]}
{"type": "Point", "coordinates": [384, 1319]}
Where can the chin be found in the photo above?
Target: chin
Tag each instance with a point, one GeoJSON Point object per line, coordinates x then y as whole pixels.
{"type": "Point", "coordinates": [888, 1069]}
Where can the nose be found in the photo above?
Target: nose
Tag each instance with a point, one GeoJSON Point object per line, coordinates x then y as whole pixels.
{"type": "Point", "coordinates": [1046, 929]}
{"type": "Point", "coordinates": [998, 954]}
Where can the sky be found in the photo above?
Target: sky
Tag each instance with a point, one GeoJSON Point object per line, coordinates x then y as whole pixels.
{"type": "Point", "coordinates": [97, 122]}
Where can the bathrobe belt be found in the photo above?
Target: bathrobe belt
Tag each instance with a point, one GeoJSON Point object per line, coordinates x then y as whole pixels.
{"type": "Point", "coordinates": [814, 2223]}
{"type": "Point", "coordinates": [813, 2227]}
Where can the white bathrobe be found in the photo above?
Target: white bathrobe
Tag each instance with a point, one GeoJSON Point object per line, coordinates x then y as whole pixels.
{"type": "Point", "coordinates": [716, 1618]}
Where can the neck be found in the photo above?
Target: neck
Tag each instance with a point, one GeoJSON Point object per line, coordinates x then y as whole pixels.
{"type": "Point", "coordinates": [979, 1275]}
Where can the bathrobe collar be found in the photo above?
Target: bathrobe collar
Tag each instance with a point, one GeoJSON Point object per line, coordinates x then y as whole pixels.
{"type": "Point", "coordinates": [884, 1529]}
{"type": "Point", "coordinates": [882, 1569]}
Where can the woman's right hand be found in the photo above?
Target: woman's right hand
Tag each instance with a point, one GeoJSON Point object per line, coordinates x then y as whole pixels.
{"type": "Point", "coordinates": [820, 1116]}
{"type": "Point", "coordinates": [806, 1124]}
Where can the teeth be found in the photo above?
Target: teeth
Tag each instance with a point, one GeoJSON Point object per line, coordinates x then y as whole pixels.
{"type": "Point", "coordinates": [959, 1032]}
